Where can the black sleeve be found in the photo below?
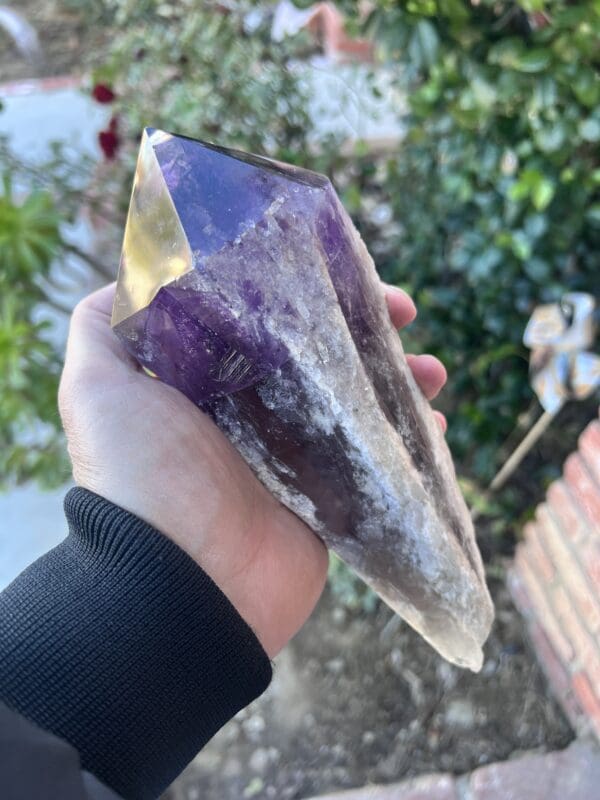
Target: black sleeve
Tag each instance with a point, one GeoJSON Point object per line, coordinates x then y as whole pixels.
{"type": "Point", "coordinates": [36, 765]}
{"type": "Point", "coordinates": [117, 642]}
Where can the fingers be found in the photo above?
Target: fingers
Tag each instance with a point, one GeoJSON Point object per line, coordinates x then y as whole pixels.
{"type": "Point", "coordinates": [429, 373]}
{"type": "Point", "coordinates": [92, 348]}
{"type": "Point", "coordinates": [431, 376]}
{"type": "Point", "coordinates": [400, 305]}
{"type": "Point", "coordinates": [443, 422]}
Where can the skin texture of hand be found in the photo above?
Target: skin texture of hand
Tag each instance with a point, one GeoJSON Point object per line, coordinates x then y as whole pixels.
{"type": "Point", "coordinates": [144, 446]}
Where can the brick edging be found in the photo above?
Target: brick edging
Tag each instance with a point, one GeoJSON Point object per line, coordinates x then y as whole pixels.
{"type": "Point", "coordinates": [555, 582]}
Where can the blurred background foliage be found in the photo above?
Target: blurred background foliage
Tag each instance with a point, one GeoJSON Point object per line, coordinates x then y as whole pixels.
{"type": "Point", "coordinates": [30, 439]}
{"type": "Point", "coordinates": [496, 188]}
{"type": "Point", "coordinates": [489, 205]}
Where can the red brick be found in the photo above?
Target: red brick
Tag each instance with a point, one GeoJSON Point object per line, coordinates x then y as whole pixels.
{"type": "Point", "coordinates": [584, 488]}
{"type": "Point", "coordinates": [588, 699]}
{"type": "Point", "coordinates": [571, 774]}
{"type": "Point", "coordinates": [557, 675]}
{"type": "Point", "coordinates": [544, 612]}
{"type": "Point", "coordinates": [555, 670]}
{"type": "Point", "coordinates": [542, 560]}
{"type": "Point", "coordinates": [589, 447]}
{"type": "Point", "coordinates": [427, 787]}
{"type": "Point", "coordinates": [590, 555]}
{"type": "Point", "coordinates": [585, 647]}
{"type": "Point", "coordinates": [564, 507]}
{"type": "Point", "coordinates": [571, 572]}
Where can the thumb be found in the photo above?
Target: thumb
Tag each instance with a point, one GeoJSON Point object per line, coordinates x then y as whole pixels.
{"type": "Point", "coordinates": [92, 345]}
{"type": "Point", "coordinates": [95, 358]}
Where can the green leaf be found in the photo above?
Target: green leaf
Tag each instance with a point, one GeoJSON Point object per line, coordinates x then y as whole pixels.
{"type": "Point", "coordinates": [587, 86]}
{"type": "Point", "coordinates": [542, 194]}
{"type": "Point", "coordinates": [589, 129]}
{"type": "Point", "coordinates": [521, 245]}
{"type": "Point", "coordinates": [551, 138]}
{"type": "Point", "coordinates": [484, 93]}
{"type": "Point", "coordinates": [427, 8]}
{"type": "Point", "coordinates": [533, 184]}
{"type": "Point", "coordinates": [455, 10]}
{"type": "Point", "coordinates": [506, 53]}
{"type": "Point", "coordinates": [536, 225]}
{"type": "Point", "coordinates": [593, 214]}
{"type": "Point", "coordinates": [519, 191]}
{"type": "Point", "coordinates": [424, 44]}
{"type": "Point", "coordinates": [532, 61]}
{"type": "Point", "coordinates": [537, 269]}
{"type": "Point", "coordinates": [545, 93]}
{"type": "Point", "coordinates": [483, 265]}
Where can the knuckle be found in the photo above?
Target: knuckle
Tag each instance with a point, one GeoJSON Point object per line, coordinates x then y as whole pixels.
{"type": "Point", "coordinates": [80, 312]}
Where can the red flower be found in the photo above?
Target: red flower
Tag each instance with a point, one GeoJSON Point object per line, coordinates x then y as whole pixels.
{"type": "Point", "coordinates": [109, 140]}
{"type": "Point", "coordinates": [103, 93]}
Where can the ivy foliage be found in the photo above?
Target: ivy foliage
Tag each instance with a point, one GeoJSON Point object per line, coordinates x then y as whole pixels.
{"type": "Point", "coordinates": [495, 189]}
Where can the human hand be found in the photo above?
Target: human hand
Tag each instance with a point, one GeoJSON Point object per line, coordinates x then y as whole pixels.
{"type": "Point", "coordinates": [145, 447]}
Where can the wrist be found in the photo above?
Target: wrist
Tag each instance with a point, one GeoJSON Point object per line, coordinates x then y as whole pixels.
{"type": "Point", "coordinates": [208, 529]}
{"type": "Point", "coordinates": [116, 642]}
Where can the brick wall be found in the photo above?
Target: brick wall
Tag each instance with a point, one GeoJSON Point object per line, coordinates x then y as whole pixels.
{"type": "Point", "coordinates": [555, 581]}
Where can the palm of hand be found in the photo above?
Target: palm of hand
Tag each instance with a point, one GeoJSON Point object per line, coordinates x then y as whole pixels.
{"type": "Point", "coordinates": [146, 447]}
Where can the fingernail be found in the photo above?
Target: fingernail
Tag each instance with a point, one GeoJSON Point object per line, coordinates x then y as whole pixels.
{"type": "Point", "coordinates": [397, 290]}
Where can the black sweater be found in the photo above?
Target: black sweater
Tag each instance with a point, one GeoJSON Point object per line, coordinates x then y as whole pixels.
{"type": "Point", "coordinates": [120, 645]}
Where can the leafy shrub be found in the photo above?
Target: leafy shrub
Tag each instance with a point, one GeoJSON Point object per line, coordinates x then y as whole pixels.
{"type": "Point", "coordinates": [30, 441]}
{"type": "Point", "coordinates": [496, 188]}
{"type": "Point", "coordinates": [209, 71]}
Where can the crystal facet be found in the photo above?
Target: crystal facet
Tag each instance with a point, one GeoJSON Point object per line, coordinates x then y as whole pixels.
{"type": "Point", "coordinates": [244, 284]}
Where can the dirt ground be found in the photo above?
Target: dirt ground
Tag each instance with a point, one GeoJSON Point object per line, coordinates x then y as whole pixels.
{"type": "Point", "coordinates": [359, 699]}
{"type": "Point", "coordinates": [65, 42]}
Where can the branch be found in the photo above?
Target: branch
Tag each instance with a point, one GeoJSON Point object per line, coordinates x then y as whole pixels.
{"type": "Point", "coordinates": [56, 305]}
{"type": "Point", "coordinates": [94, 263]}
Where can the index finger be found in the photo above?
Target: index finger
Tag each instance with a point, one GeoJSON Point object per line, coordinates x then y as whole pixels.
{"type": "Point", "coordinates": [400, 305]}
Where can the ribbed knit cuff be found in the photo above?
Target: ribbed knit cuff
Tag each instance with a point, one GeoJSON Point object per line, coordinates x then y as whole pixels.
{"type": "Point", "coordinates": [119, 643]}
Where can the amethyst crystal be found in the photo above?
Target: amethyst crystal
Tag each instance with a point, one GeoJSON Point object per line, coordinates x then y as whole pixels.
{"type": "Point", "coordinates": [244, 284]}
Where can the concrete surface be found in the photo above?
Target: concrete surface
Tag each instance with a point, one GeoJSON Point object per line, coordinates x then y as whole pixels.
{"type": "Point", "coordinates": [31, 522]}
{"type": "Point", "coordinates": [570, 774]}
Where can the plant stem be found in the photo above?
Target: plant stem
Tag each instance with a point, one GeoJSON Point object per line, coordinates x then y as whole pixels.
{"type": "Point", "coordinates": [94, 263]}
{"type": "Point", "coordinates": [56, 305]}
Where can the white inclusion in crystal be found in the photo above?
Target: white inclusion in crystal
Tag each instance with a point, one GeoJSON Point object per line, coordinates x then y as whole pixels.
{"type": "Point", "coordinates": [147, 350]}
{"type": "Point", "coordinates": [326, 386]}
{"type": "Point", "coordinates": [323, 352]}
{"type": "Point", "coordinates": [271, 395]}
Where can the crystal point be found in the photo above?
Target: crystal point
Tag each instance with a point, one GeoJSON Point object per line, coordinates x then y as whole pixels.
{"type": "Point", "coordinates": [244, 284]}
